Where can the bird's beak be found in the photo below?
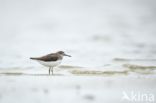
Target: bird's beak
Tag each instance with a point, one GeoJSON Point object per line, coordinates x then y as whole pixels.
{"type": "Point", "coordinates": [67, 55]}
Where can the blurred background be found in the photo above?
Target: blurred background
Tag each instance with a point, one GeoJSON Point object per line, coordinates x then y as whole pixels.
{"type": "Point", "coordinates": [94, 32]}
{"type": "Point", "coordinates": [112, 44]}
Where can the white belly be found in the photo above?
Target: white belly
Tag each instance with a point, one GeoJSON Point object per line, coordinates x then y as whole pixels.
{"type": "Point", "coordinates": [50, 63]}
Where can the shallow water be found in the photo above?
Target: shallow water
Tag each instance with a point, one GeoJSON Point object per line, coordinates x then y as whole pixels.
{"type": "Point", "coordinates": [112, 44]}
{"type": "Point", "coordinates": [102, 36]}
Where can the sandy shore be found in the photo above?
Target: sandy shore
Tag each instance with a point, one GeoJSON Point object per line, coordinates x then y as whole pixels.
{"type": "Point", "coordinates": [112, 44]}
{"type": "Point", "coordinates": [36, 86]}
{"type": "Point", "coordinates": [72, 89]}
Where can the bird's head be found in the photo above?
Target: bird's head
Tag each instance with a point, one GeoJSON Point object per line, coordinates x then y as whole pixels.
{"type": "Point", "coordinates": [63, 54]}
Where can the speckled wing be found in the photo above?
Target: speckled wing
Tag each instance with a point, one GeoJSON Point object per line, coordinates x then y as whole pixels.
{"type": "Point", "coordinates": [47, 58]}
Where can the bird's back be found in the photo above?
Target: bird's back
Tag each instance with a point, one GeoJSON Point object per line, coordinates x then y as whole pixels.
{"type": "Point", "coordinates": [49, 57]}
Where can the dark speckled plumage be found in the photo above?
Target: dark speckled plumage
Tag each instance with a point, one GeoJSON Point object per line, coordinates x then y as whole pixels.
{"type": "Point", "coordinates": [52, 57]}
{"type": "Point", "coordinates": [49, 57]}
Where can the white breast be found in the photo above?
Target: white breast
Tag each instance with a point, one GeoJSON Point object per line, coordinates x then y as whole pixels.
{"type": "Point", "coordinates": [50, 63]}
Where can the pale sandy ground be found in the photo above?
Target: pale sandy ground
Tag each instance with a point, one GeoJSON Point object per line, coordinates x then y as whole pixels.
{"type": "Point", "coordinates": [76, 85]}
{"type": "Point", "coordinates": [73, 89]}
{"type": "Point", "coordinates": [112, 43]}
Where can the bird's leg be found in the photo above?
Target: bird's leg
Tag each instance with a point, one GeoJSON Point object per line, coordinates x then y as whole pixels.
{"type": "Point", "coordinates": [49, 70]}
{"type": "Point", "coordinates": [52, 70]}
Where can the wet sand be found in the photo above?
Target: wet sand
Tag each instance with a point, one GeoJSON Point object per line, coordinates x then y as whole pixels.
{"type": "Point", "coordinates": [76, 84]}
{"type": "Point", "coordinates": [112, 44]}
{"type": "Point", "coordinates": [42, 88]}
